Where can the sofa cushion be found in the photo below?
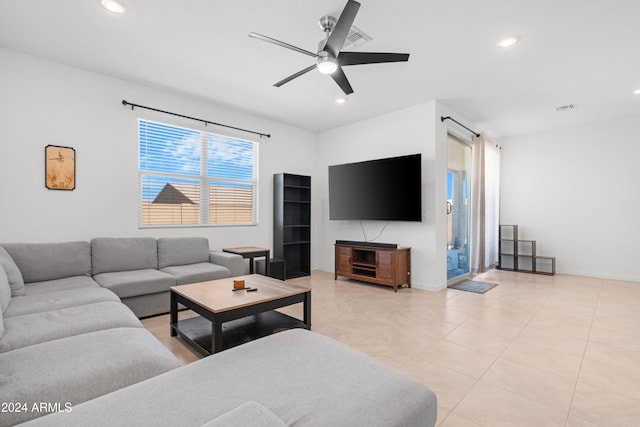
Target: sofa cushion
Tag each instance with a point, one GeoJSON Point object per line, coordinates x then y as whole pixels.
{"type": "Point", "coordinates": [30, 329]}
{"type": "Point", "coordinates": [40, 303]}
{"type": "Point", "coordinates": [76, 282]}
{"type": "Point", "coordinates": [250, 414]}
{"type": "Point", "coordinates": [5, 291]}
{"type": "Point", "coordinates": [200, 272]}
{"type": "Point", "coordinates": [137, 282]}
{"type": "Point", "coordinates": [123, 254]}
{"type": "Point", "coordinates": [39, 262]}
{"type": "Point", "coordinates": [304, 378]}
{"type": "Point", "coordinates": [79, 368]}
{"type": "Point", "coordinates": [182, 250]}
{"type": "Point", "coordinates": [13, 273]}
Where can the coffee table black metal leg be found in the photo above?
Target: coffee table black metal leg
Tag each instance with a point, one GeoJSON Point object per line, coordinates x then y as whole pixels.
{"type": "Point", "coordinates": [267, 261]}
{"type": "Point", "coordinates": [216, 336]}
{"type": "Point", "coordinates": [307, 310]}
{"type": "Point", "coordinates": [173, 317]}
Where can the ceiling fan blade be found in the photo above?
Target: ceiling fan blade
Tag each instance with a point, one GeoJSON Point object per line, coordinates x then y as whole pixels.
{"type": "Point", "coordinates": [342, 81]}
{"type": "Point", "coordinates": [296, 75]}
{"type": "Point", "coordinates": [282, 44]}
{"type": "Point", "coordinates": [357, 58]}
{"type": "Point", "coordinates": [341, 30]}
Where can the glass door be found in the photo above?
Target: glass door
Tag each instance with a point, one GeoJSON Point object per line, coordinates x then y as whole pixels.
{"type": "Point", "coordinates": [458, 209]}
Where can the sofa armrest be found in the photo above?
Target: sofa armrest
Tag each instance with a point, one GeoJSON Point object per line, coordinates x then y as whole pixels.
{"type": "Point", "coordinates": [235, 263]}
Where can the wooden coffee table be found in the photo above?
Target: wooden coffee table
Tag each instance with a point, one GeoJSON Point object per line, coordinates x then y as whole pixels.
{"type": "Point", "coordinates": [229, 318]}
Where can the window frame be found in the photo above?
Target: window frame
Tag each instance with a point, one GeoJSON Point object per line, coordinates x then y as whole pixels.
{"type": "Point", "coordinates": [204, 180]}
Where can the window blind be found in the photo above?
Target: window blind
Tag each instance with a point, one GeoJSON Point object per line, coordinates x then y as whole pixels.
{"type": "Point", "coordinates": [189, 177]}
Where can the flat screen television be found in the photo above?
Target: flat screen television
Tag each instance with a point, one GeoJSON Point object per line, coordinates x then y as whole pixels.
{"type": "Point", "coordinates": [384, 189]}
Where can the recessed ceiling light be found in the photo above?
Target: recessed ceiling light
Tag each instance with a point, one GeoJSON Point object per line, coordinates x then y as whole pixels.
{"type": "Point", "coordinates": [637, 91]}
{"type": "Point", "coordinates": [341, 100]}
{"type": "Point", "coordinates": [508, 41]}
{"type": "Point", "coordinates": [113, 6]}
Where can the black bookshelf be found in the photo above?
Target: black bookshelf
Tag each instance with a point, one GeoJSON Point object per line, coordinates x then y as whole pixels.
{"type": "Point", "coordinates": [292, 223]}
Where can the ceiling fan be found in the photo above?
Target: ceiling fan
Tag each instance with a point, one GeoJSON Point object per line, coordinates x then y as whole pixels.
{"type": "Point", "coordinates": [330, 59]}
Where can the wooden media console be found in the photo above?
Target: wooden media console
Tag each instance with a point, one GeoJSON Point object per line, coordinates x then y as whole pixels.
{"type": "Point", "coordinates": [382, 264]}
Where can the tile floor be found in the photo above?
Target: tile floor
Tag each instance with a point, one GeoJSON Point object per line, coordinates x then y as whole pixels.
{"type": "Point", "coordinates": [533, 351]}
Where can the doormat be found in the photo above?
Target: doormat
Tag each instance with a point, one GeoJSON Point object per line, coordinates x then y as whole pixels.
{"type": "Point", "coordinates": [473, 286]}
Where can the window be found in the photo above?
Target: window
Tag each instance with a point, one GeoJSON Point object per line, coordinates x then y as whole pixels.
{"type": "Point", "coordinates": [189, 177]}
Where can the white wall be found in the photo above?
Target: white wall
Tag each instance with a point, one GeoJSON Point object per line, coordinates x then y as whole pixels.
{"type": "Point", "coordinates": [576, 192]}
{"type": "Point", "coordinates": [42, 102]}
{"type": "Point", "coordinates": [408, 131]}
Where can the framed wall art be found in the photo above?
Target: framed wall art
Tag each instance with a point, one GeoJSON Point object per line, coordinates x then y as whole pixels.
{"type": "Point", "coordinates": [60, 167]}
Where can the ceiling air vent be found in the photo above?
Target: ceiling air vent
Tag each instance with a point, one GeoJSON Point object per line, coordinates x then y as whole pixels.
{"type": "Point", "coordinates": [355, 38]}
{"type": "Point", "coordinates": [567, 107]}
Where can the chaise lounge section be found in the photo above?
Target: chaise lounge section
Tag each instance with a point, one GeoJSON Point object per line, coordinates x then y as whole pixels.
{"type": "Point", "coordinates": [292, 378]}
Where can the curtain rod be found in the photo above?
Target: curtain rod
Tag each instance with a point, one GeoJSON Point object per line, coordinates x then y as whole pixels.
{"type": "Point", "coordinates": [442, 119]}
{"type": "Point", "coordinates": [206, 122]}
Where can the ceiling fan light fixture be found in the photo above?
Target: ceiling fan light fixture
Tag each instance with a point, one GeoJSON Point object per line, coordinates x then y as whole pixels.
{"type": "Point", "coordinates": [113, 6]}
{"type": "Point", "coordinates": [508, 41]}
{"type": "Point", "coordinates": [327, 64]}
{"type": "Point", "coordinates": [341, 100]}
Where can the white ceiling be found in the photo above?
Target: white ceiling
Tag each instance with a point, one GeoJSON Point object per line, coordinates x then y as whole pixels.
{"type": "Point", "coordinates": [583, 52]}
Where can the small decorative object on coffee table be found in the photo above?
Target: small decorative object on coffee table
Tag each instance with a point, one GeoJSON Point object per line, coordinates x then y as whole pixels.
{"type": "Point", "coordinates": [251, 252]}
{"type": "Point", "coordinates": [229, 318]}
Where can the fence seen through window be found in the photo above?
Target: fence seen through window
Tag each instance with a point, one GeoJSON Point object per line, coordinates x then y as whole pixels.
{"type": "Point", "coordinates": [190, 177]}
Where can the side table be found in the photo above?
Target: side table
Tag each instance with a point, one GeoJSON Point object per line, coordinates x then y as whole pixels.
{"type": "Point", "coordinates": [251, 252]}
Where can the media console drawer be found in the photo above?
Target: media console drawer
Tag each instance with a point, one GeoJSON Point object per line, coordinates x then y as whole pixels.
{"type": "Point", "coordinates": [374, 264]}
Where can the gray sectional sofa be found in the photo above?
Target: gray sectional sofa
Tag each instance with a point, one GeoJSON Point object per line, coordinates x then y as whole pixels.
{"type": "Point", "coordinates": [63, 338]}
{"type": "Point", "coordinates": [68, 345]}
{"type": "Point", "coordinates": [139, 270]}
